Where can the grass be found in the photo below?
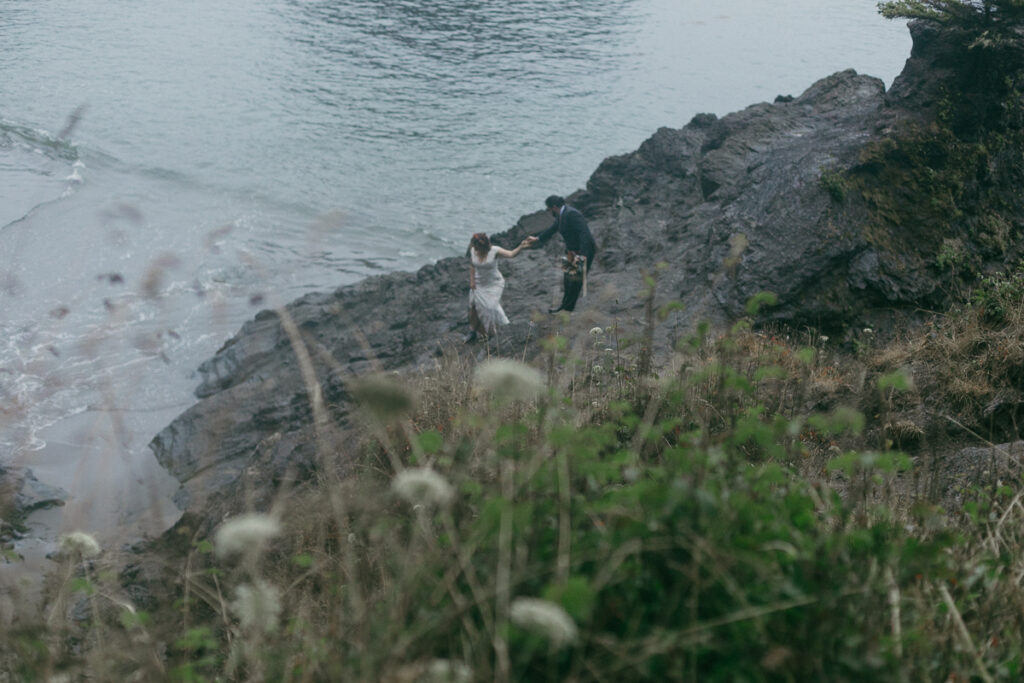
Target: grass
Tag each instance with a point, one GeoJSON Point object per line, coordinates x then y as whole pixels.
{"type": "Point", "coordinates": [742, 513]}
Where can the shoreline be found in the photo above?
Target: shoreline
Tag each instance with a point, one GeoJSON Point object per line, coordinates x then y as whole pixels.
{"type": "Point", "coordinates": [116, 491]}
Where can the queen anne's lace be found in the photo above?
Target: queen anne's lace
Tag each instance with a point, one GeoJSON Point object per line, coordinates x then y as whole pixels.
{"type": "Point", "coordinates": [422, 486]}
{"type": "Point", "coordinates": [245, 532]}
{"type": "Point", "coordinates": [544, 617]}
{"type": "Point", "coordinates": [257, 606]}
{"type": "Point", "coordinates": [508, 379]}
{"type": "Point", "coordinates": [79, 543]}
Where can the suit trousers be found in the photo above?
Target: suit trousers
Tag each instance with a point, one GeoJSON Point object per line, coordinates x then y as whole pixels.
{"type": "Point", "coordinates": [572, 285]}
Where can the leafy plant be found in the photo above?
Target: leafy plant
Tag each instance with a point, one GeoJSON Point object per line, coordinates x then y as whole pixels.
{"type": "Point", "coordinates": [1000, 294]}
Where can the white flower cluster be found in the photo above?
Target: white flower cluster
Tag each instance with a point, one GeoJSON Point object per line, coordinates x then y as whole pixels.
{"type": "Point", "coordinates": [544, 617]}
{"type": "Point", "coordinates": [245, 532]}
{"type": "Point", "coordinates": [447, 671]}
{"type": "Point", "coordinates": [257, 606]}
{"type": "Point", "coordinates": [79, 543]}
{"type": "Point", "coordinates": [422, 486]}
{"type": "Point", "coordinates": [508, 380]}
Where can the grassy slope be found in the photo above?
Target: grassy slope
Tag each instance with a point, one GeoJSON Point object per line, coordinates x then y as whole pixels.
{"type": "Point", "coordinates": [744, 514]}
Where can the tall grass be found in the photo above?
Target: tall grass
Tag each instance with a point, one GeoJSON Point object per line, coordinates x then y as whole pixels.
{"type": "Point", "coordinates": [730, 516]}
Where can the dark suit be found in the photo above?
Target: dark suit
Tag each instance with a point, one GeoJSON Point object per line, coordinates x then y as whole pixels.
{"type": "Point", "coordinates": [573, 228]}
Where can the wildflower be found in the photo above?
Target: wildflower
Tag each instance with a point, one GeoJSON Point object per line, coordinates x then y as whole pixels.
{"type": "Point", "coordinates": [383, 396]}
{"type": "Point", "coordinates": [508, 379]}
{"type": "Point", "coordinates": [868, 330]}
{"type": "Point", "coordinates": [257, 606]}
{"type": "Point", "coordinates": [448, 671]}
{"type": "Point", "coordinates": [544, 617]}
{"type": "Point", "coordinates": [79, 543]}
{"type": "Point", "coordinates": [596, 331]}
{"type": "Point", "coordinates": [245, 532]}
{"type": "Point", "coordinates": [422, 486]}
{"type": "Point", "coordinates": [823, 338]}
{"type": "Point", "coordinates": [598, 369]}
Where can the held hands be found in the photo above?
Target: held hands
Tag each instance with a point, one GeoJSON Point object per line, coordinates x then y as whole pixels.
{"type": "Point", "coordinates": [528, 242]}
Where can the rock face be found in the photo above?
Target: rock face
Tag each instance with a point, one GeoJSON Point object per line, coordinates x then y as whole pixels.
{"type": "Point", "coordinates": [20, 494]}
{"type": "Point", "coordinates": [737, 205]}
{"type": "Point", "coordinates": [771, 198]}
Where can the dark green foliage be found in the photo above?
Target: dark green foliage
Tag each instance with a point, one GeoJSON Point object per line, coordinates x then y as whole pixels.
{"type": "Point", "coordinates": [199, 649]}
{"type": "Point", "coordinates": [685, 546]}
{"type": "Point", "coordinates": [989, 20]}
{"type": "Point", "coordinates": [941, 190]}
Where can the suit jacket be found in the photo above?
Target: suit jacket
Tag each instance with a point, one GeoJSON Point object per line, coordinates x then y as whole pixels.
{"type": "Point", "coordinates": [575, 231]}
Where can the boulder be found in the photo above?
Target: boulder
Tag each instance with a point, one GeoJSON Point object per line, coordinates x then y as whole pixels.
{"type": "Point", "coordinates": [20, 494]}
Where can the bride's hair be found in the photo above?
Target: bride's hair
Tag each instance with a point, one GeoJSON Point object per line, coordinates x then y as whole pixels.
{"type": "Point", "coordinates": [481, 244]}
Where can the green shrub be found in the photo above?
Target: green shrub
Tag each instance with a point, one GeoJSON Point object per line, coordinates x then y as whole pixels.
{"type": "Point", "coordinates": [1001, 295]}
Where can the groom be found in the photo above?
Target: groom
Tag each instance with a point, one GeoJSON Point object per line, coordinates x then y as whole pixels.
{"type": "Point", "coordinates": [579, 246]}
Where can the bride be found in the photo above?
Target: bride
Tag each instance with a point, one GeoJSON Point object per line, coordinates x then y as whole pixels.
{"type": "Point", "coordinates": [486, 285]}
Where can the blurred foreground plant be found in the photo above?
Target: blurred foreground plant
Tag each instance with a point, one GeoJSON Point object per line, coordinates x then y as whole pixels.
{"type": "Point", "coordinates": [706, 528]}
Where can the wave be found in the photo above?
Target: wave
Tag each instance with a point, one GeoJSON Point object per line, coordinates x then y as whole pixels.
{"type": "Point", "coordinates": [42, 169]}
{"type": "Point", "coordinates": [38, 139]}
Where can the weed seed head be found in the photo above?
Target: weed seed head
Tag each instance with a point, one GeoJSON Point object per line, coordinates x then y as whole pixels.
{"type": "Point", "coordinates": [245, 532]}
{"type": "Point", "coordinates": [544, 617]}
{"type": "Point", "coordinates": [257, 606]}
{"type": "Point", "coordinates": [79, 543]}
{"type": "Point", "coordinates": [422, 486]}
{"type": "Point", "coordinates": [508, 380]}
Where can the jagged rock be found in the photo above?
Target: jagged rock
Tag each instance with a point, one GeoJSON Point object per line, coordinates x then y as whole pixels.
{"type": "Point", "coordinates": [21, 493]}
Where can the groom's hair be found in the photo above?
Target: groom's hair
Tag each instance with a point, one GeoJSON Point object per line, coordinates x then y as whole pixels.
{"type": "Point", "coordinates": [554, 200]}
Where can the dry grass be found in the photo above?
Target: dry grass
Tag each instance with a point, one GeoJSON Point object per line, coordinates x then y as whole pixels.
{"type": "Point", "coordinates": [968, 369]}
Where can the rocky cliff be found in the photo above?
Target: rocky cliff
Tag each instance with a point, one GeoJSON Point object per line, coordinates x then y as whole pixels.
{"type": "Point", "coordinates": [852, 204]}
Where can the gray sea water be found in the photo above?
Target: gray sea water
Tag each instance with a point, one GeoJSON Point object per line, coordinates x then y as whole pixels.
{"type": "Point", "coordinates": [167, 169]}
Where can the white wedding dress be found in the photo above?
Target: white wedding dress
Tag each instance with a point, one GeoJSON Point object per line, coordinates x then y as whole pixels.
{"type": "Point", "coordinates": [486, 298]}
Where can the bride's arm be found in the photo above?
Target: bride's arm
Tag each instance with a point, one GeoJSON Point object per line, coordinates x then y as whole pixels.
{"type": "Point", "coordinates": [498, 251]}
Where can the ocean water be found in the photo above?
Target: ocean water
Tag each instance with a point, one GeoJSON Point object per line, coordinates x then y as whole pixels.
{"type": "Point", "coordinates": [168, 169]}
